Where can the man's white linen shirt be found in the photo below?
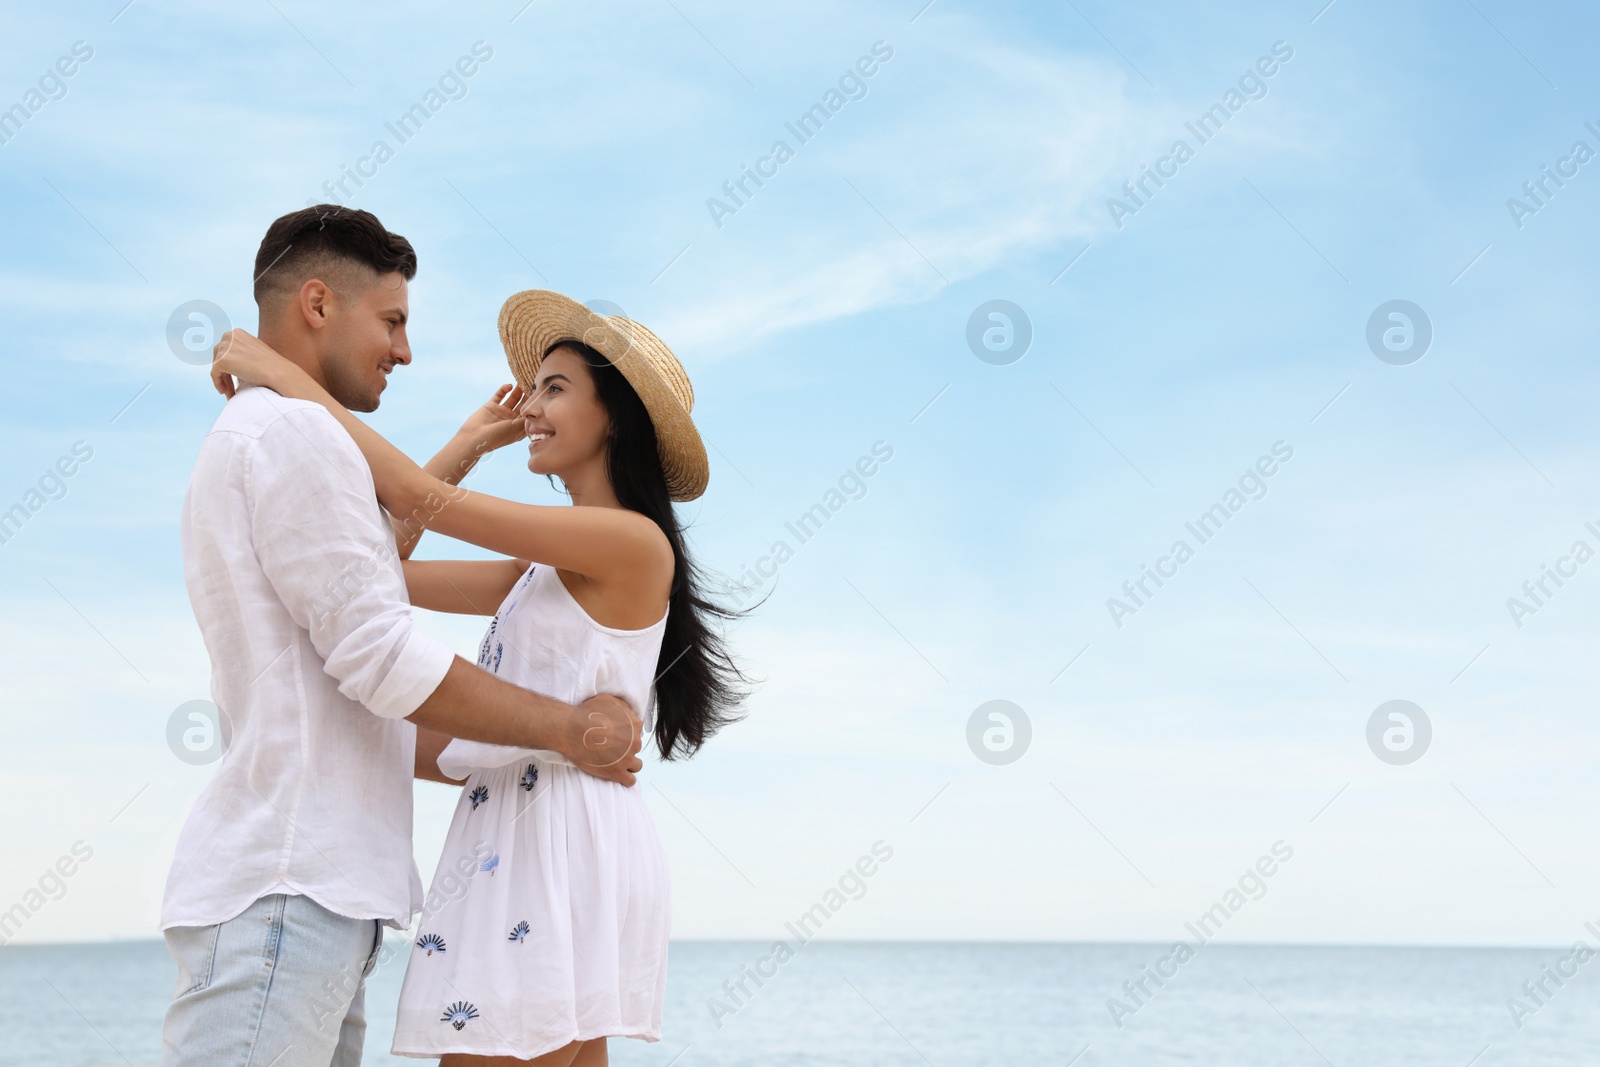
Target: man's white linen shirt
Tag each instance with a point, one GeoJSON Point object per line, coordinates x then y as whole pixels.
{"type": "Point", "coordinates": [291, 568]}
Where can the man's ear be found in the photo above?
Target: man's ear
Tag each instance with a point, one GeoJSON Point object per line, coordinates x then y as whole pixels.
{"type": "Point", "coordinates": [316, 302]}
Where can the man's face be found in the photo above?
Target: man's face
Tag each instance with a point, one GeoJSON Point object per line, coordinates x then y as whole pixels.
{"type": "Point", "coordinates": [365, 340]}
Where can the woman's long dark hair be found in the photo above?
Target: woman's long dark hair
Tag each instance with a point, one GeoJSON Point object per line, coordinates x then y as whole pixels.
{"type": "Point", "coordinates": [698, 685]}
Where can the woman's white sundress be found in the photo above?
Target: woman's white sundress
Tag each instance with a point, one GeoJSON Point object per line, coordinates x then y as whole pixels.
{"type": "Point", "coordinates": [548, 916]}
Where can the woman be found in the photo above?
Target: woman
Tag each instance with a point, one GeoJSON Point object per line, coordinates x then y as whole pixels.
{"type": "Point", "coordinates": [560, 939]}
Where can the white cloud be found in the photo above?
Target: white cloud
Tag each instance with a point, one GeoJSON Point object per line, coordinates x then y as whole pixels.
{"type": "Point", "coordinates": [972, 170]}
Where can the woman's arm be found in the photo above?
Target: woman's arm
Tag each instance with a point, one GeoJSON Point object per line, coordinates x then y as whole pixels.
{"type": "Point", "coordinates": [462, 587]}
{"type": "Point", "coordinates": [608, 545]}
{"type": "Point", "coordinates": [496, 424]}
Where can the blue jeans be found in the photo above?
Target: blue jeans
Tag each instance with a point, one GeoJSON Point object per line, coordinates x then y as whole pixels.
{"type": "Point", "coordinates": [282, 984]}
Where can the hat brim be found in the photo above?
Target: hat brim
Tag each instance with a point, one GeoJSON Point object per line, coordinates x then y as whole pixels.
{"type": "Point", "coordinates": [533, 321]}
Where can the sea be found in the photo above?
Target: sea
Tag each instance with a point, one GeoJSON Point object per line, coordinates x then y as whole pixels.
{"type": "Point", "coordinates": [936, 1004]}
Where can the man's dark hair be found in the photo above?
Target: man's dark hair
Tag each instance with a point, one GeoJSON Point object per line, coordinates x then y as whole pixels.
{"type": "Point", "coordinates": [344, 247]}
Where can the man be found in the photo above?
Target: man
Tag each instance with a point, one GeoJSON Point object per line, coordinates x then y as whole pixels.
{"type": "Point", "coordinates": [298, 852]}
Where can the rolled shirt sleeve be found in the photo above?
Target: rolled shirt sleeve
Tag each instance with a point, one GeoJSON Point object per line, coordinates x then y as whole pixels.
{"type": "Point", "coordinates": [330, 556]}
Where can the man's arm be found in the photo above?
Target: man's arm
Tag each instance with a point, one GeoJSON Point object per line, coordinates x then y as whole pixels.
{"type": "Point", "coordinates": [462, 586]}
{"type": "Point", "coordinates": [429, 744]}
{"type": "Point", "coordinates": [601, 736]}
{"type": "Point", "coordinates": [321, 543]}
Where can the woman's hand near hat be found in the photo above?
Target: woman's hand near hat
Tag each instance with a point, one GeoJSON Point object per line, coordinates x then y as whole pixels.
{"type": "Point", "coordinates": [495, 425]}
{"type": "Point", "coordinates": [498, 422]}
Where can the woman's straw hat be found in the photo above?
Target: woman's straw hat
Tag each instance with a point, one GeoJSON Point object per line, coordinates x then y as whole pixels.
{"type": "Point", "coordinates": [534, 321]}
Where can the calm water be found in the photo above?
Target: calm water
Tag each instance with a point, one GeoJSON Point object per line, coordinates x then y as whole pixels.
{"type": "Point", "coordinates": [943, 1004]}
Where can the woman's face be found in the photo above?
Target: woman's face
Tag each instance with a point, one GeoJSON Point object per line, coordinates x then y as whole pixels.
{"type": "Point", "coordinates": [566, 423]}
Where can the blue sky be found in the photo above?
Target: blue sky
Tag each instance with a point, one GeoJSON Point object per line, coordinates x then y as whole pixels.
{"type": "Point", "coordinates": [829, 313]}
